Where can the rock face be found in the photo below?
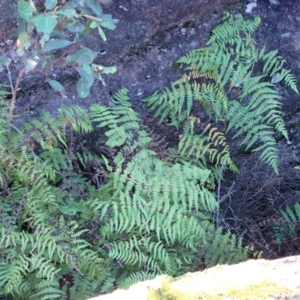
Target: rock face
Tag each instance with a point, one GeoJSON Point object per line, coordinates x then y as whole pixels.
{"type": "Point", "coordinates": [254, 279]}
{"type": "Point", "coordinates": [139, 20]}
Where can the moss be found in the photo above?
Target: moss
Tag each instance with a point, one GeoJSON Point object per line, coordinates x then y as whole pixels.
{"type": "Point", "coordinates": [166, 292]}
{"type": "Point", "coordinates": [263, 290]}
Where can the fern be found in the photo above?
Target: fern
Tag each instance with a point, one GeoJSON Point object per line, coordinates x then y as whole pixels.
{"type": "Point", "coordinates": [287, 228]}
{"type": "Point", "coordinates": [137, 277]}
{"type": "Point", "coordinates": [223, 248]}
{"type": "Point", "coordinates": [225, 65]}
{"type": "Point", "coordinates": [74, 223]}
{"type": "Point", "coordinates": [83, 287]}
{"type": "Point", "coordinates": [63, 237]}
{"type": "Point", "coordinates": [152, 211]}
{"type": "Point", "coordinates": [37, 236]}
{"type": "Point", "coordinates": [208, 146]}
{"type": "Point", "coordinates": [229, 29]}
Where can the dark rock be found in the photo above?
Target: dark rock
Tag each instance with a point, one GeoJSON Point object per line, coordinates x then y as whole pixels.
{"type": "Point", "coordinates": [139, 20]}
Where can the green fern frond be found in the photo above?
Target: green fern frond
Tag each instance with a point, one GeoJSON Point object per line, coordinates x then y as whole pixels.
{"type": "Point", "coordinates": [172, 102]}
{"type": "Point", "coordinates": [230, 27]}
{"type": "Point", "coordinates": [48, 290]}
{"type": "Point", "coordinates": [75, 116]}
{"type": "Point", "coordinates": [287, 227]}
{"type": "Point", "coordinates": [146, 198]}
{"type": "Point", "coordinates": [50, 131]}
{"type": "Point", "coordinates": [289, 79]}
{"type": "Point", "coordinates": [136, 277]}
{"type": "Point", "coordinates": [270, 62]}
{"type": "Point", "coordinates": [121, 98]}
{"type": "Point", "coordinates": [221, 248]}
{"type": "Point", "coordinates": [209, 146]}
{"type": "Point", "coordinates": [83, 287]}
{"type": "Point", "coordinates": [214, 100]}
{"type": "Point", "coordinates": [4, 92]}
{"type": "Point", "coordinates": [227, 63]}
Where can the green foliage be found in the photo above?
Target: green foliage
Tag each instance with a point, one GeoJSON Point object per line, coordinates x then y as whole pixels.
{"type": "Point", "coordinates": [3, 92]}
{"type": "Point", "coordinates": [222, 248]}
{"type": "Point", "coordinates": [42, 246]}
{"type": "Point", "coordinates": [61, 27]}
{"type": "Point", "coordinates": [158, 211]}
{"type": "Point", "coordinates": [288, 227]}
{"type": "Point", "coordinates": [73, 224]}
{"type": "Point", "coordinates": [221, 81]}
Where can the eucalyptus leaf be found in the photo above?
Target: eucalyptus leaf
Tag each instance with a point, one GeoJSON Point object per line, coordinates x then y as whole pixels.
{"type": "Point", "coordinates": [85, 72]}
{"type": "Point", "coordinates": [87, 28]}
{"type": "Point", "coordinates": [68, 12]}
{"type": "Point", "coordinates": [50, 4]}
{"type": "Point", "coordinates": [57, 86]}
{"type": "Point", "coordinates": [107, 17]}
{"type": "Point", "coordinates": [21, 24]}
{"type": "Point", "coordinates": [82, 56]}
{"type": "Point", "coordinates": [5, 61]}
{"type": "Point", "coordinates": [45, 23]}
{"type": "Point", "coordinates": [24, 42]}
{"type": "Point", "coordinates": [56, 44]}
{"type": "Point", "coordinates": [76, 26]}
{"type": "Point", "coordinates": [23, 39]}
{"type": "Point", "coordinates": [20, 52]}
{"type": "Point", "coordinates": [93, 24]}
{"type": "Point", "coordinates": [102, 34]}
{"type": "Point", "coordinates": [30, 64]}
{"type": "Point", "coordinates": [24, 10]}
{"type": "Point", "coordinates": [87, 68]}
{"type": "Point", "coordinates": [109, 70]}
{"type": "Point", "coordinates": [95, 7]}
{"type": "Point", "coordinates": [57, 34]}
{"type": "Point", "coordinates": [108, 25]}
{"type": "Point", "coordinates": [32, 5]}
{"type": "Point", "coordinates": [82, 88]}
{"type": "Point", "coordinates": [44, 39]}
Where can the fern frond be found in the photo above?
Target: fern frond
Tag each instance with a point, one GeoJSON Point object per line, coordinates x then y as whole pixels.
{"type": "Point", "coordinates": [230, 27]}
{"type": "Point", "coordinates": [146, 198]}
{"type": "Point", "coordinates": [84, 287]}
{"type": "Point", "coordinates": [289, 79]}
{"type": "Point", "coordinates": [257, 121]}
{"type": "Point", "coordinates": [221, 248]}
{"type": "Point", "coordinates": [210, 145]}
{"type": "Point", "coordinates": [3, 91]}
{"type": "Point", "coordinates": [63, 237]}
{"type": "Point", "coordinates": [270, 60]}
{"type": "Point", "coordinates": [136, 277]}
{"type": "Point", "coordinates": [287, 227]}
{"type": "Point", "coordinates": [76, 116]}
{"type": "Point", "coordinates": [175, 103]}
{"type": "Point", "coordinates": [48, 290]}
{"type": "Point", "coordinates": [227, 63]}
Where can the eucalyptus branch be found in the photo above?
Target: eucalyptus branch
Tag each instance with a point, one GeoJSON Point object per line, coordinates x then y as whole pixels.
{"type": "Point", "coordinates": [12, 105]}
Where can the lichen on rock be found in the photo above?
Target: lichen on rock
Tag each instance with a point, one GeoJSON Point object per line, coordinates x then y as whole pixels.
{"type": "Point", "coordinates": [250, 280]}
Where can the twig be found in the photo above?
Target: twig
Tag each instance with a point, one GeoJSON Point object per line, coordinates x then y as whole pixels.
{"type": "Point", "coordinates": [14, 90]}
{"type": "Point", "coordinates": [227, 194]}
